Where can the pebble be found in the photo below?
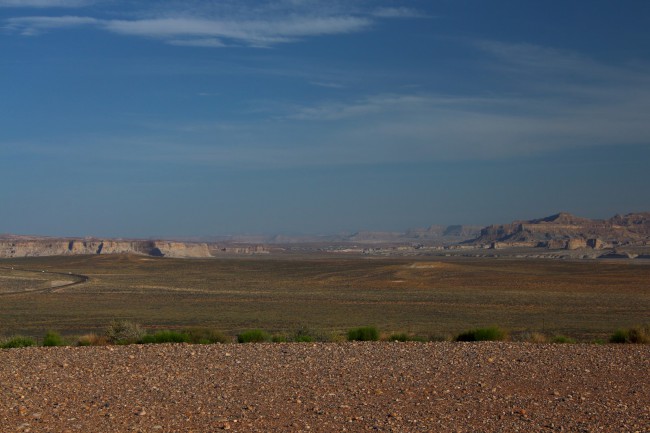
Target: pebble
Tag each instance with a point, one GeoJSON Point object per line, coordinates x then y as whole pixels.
{"type": "Point", "coordinates": [353, 387]}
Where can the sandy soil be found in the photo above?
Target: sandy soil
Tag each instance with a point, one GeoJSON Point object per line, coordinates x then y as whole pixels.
{"type": "Point", "coordinates": [388, 387]}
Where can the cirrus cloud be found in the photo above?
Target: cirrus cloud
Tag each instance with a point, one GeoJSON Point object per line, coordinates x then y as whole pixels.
{"type": "Point", "coordinates": [200, 31]}
{"type": "Point", "coordinates": [399, 12]}
{"type": "Point", "coordinates": [31, 26]}
{"type": "Point", "coordinates": [44, 3]}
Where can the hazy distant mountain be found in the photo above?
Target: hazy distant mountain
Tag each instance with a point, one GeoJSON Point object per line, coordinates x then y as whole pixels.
{"type": "Point", "coordinates": [432, 234]}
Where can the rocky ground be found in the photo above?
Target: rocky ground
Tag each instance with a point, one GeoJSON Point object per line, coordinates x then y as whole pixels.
{"type": "Point", "coordinates": [390, 387]}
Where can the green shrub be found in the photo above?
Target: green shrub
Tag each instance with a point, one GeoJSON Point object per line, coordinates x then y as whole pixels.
{"type": "Point", "coordinates": [635, 335]}
{"type": "Point", "coordinates": [620, 336]}
{"type": "Point", "coordinates": [493, 333]}
{"type": "Point", "coordinates": [206, 336]}
{"type": "Point", "coordinates": [306, 335]}
{"type": "Point", "coordinates": [52, 339]}
{"type": "Point", "coordinates": [364, 333]}
{"type": "Point", "coordinates": [399, 337]}
{"type": "Point", "coordinates": [562, 339]}
{"type": "Point", "coordinates": [279, 338]}
{"type": "Point", "coordinates": [160, 337]}
{"type": "Point", "coordinates": [253, 336]}
{"type": "Point", "coordinates": [18, 341]}
{"type": "Point", "coordinates": [124, 332]}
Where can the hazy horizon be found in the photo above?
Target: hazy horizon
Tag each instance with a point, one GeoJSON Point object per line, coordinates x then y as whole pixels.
{"type": "Point", "coordinates": [295, 235]}
{"type": "Point", "coordinates": [204, 118]}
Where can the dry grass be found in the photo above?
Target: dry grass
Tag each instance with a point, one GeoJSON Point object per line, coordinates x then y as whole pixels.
{"type": "Point", "coordinates": [92, 340]}
{"type": "Point", "coordinates": [534, 337]}
{"type": "Point", "coordinates": [583, 300]}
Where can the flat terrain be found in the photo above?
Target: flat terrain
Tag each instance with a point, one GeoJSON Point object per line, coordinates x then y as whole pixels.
{"type": "Point", "coordinates": [300, 387]}
{"type": "Point", "coordinates": [437, 297]}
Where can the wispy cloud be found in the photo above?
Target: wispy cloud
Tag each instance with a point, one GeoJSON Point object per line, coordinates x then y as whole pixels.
{"type": "Point", "coordinates": [610, 108]}
{"type": "Point", "coordinates": [374, 104]}
{"type": "Point", "coordinates": [204, 42]}
{"type": "Point", "coordinates": [31, 26]}
{"type": "Point", "coordinates": [556, 100]}
{"type": "Point", "coordinates": [251, 32]}
{"type": "Point", "coordinates": [548, 98]}
{"type": "Point", "coordinates": [388, 128]}
{"type": "Point", "coordinates": [242, 26]}
{"type": "Point", "coordinates": [398, 12]}
{"type": "Point", "coordinates": [44, 3]}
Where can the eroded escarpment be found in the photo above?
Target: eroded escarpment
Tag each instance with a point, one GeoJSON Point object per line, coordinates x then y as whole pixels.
{"type": "Point", "coordinates": [566, 231]}
{"type": "Point", "coordinates": [17, 246]}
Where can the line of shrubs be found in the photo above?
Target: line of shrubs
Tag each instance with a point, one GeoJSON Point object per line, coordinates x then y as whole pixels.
{"type": "Point", "coordinates": [124, 332]}
{"type": "Point", "coordinates": [127, 332]}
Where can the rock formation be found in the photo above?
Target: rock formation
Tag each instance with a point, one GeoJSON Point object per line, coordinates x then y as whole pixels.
{"type": "Point", "coordinates": [566, 231]}
{"type": "Point", "coordinates": [20, 246]}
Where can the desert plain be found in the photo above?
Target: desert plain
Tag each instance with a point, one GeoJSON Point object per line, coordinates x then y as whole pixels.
{"type": "Point", "coordinates": [428, 297]}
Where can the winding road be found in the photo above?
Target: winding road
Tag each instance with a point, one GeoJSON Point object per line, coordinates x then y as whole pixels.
{"type": "Point", "coordinates": [79, 279]}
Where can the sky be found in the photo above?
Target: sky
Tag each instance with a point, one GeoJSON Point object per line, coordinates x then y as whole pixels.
{"type": "Point", "coordinates": [205, 118]}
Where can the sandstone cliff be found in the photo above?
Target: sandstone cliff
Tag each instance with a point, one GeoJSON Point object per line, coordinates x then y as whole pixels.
{"type": "Point", "coordinates": [182, 249]}
{"type": "Point", "coordinates": [34, 247]}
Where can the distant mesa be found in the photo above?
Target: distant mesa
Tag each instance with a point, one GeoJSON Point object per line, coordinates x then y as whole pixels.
{"type": "Point", "coordinates": [24, 246]}
{"type": "Point", "coordinates": [566, 231]}
{"type": "Point", "coordinates": [36, 247]}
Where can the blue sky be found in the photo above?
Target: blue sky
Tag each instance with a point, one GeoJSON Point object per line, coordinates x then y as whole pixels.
{"type": "Point", "coordinates": [191, 118]}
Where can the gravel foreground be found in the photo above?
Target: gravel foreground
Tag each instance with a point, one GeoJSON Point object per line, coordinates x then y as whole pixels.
{"type": "Point", "coordinates": [327, 387]}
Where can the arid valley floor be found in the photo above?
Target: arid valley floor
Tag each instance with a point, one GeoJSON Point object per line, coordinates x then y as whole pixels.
{"type": "Point", "coordinates": [432, 297]}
